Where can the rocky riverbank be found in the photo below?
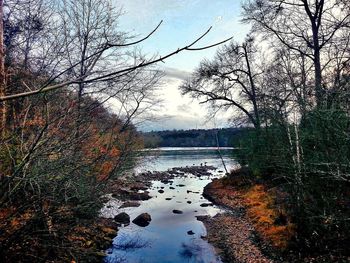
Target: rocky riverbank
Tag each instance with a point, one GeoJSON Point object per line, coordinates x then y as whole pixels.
{"type": "Point", "coordinates": [258, 226]}
{"type": "Point", "coordinates": [233, 233]}
{"type": "Point", "coordinates": [237, 235]}
{"type": "Point", "coordinates": [89, 238]}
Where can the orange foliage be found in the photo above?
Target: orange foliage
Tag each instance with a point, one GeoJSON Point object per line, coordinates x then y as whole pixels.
{"type": "Point", "coordinates": [11, 221]}
{"type": "Point", "coordinates": [261, 208]}
{"type": "Point", "coordinates": [102, 152]}
{"type": "Point", "coordinates": [106, 169]}
{"type": "Point", "coordinates": [34, 122]}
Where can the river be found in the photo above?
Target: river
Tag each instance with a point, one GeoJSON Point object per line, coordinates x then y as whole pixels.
{"type": "Point", "coordinates": [170, 237]}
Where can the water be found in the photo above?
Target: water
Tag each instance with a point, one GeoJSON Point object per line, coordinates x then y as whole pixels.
{"type": "Point", "coordinates": [166, 239]}
{"type": "Point", "coordinates": [164, 158]}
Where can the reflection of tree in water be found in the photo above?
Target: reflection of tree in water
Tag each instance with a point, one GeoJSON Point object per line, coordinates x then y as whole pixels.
{"type": "Point", "coordinates": [196, 253]}
{"type": "Point", "coordinates": [126, 242]}
{"type": "Point", "coordinates": [192, 252]}
{"type": "Point", "coordinates": [115, 259]}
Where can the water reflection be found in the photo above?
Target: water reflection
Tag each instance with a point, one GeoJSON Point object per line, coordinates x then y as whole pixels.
{"type": "Point", "coordinates": [165, 158]}
{"type": "Point", "coordinates": [130, 243]}
{"type": "Point", "coordinates": [195, 252]}
{"type": "Point", "coordinates": [170, 237]}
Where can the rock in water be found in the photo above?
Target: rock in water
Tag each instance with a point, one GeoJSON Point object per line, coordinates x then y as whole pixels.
{"type": "Point", "coordinates": [130, 204]}
{"type": "Point", "coordinates": [160, 191]}
{"type": "Point", "coordinates": [142, 220]}
{"type": "Point", "coordinates": [190, 233]}
{"type": "Point", "coordinates": [122, 218]}
{"type": "Point", "coordinates": [177, 211]}
{"type": "Point", "coordinates": [206, 204]}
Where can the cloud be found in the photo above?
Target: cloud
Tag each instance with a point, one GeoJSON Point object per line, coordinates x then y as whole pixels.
{"type": "Point", "coordinates": [142, 11]}
{"type": "Point", "coordinates": [176, 73]}
{"type": "Point", "coordinates": [183, 107]}
{"type": "Point", "coordinates": [176, 122]}
{"type": "Point", "coordinates": [184, 122]}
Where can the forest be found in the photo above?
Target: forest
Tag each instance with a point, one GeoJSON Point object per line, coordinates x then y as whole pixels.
{"type": "Point", "coordinates": [225, 137]}
{"type": "Point", "coordinates": [74, 87]}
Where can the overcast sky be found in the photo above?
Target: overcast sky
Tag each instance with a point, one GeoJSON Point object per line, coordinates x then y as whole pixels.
{"type": "Point", "coordinates": [183, 22]}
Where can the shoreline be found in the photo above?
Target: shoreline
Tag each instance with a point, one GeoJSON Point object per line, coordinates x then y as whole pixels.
{"type": "Point", "coordinates": [233, 233]}
{"type": "Point", "coordinates": [257, 221]}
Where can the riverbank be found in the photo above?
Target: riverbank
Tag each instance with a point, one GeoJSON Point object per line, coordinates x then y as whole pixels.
{"type": "Point", "coordinates": [242, 234]}
{"type": "Point", "coordinates": [258, 226]}
{"type": "Point", "coordinates": [69, 238]}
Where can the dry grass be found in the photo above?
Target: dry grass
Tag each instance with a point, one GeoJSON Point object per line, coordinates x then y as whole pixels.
{"type": "Point", "coordinates": [271, 221]}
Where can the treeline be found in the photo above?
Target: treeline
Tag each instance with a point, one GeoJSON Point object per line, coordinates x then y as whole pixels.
{"type": "Point", "coordinates": [290, 79]}
{"type": "Point", "coordinates": [225, 137]}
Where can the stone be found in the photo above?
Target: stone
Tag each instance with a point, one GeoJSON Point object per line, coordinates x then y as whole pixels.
{"type": "Point", "coordinates": [129, 195]}
{"type": "Point", "coordinates": [142, 220]}
{"type": "Point", "coordinates": [130, 204]}
{"type": "Point", "coordinates": [122, 218]}
{"type": "Point", "coordinates": [160, 191]}
{"type": "Point", "coordinates": [165, 181]}
{"type": "Point", "coordinates": [189, 202]}
{"type": "Point", "coordinates": [177, 211]}
{"type": "Point", "coordinates": [190, 233]}
{"type": "Point", "coordinates": [206, 204]}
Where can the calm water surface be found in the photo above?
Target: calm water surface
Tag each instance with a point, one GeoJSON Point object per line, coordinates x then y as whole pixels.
{"type": "Point", "coordinates": [166, 238]}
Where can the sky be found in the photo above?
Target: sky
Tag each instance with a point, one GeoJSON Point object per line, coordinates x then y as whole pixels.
{"type": "Point", "coordinates": [183, 22]}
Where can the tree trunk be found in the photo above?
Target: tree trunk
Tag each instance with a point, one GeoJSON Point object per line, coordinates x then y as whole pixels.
{"type": "Point", "coordinates": [318, 76]}
{"type": "Point", "coordinates": [315, 20]}
{"type": "Point", "coordinates": [3, 105]}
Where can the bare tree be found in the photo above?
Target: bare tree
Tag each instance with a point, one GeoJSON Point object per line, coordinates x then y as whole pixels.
{"type": "Point", "coordinates": [87, 26]}
{"type": "Point", "coordinates": [231, 80]}
{"type": "Point", "coordinates": [307, 27]}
